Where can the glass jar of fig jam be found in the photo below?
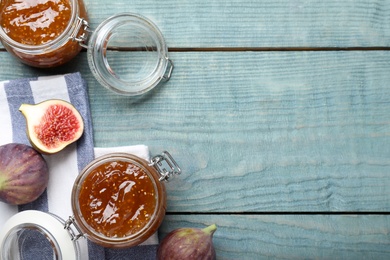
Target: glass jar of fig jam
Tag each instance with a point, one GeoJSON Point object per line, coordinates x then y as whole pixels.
{"type": "Point", "coordinates": [118, 201]}
{"type": "Point", "coordinates": [42, 33]}
{"type": "Point", "coordinates": [126, 53]}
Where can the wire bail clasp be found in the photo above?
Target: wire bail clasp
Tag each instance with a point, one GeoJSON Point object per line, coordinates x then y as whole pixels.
{"type": "Point", "coordinates": [165, 165]}
{"type": "Point", "coordinates": [168, 72]}
{"type": "Point", "coordinates": [68, 225]}
{"type": "Point", "coordinates": [81, 32]}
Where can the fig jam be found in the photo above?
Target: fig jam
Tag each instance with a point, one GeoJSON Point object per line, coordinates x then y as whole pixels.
{"type": "Point", "coordinates": [34, 22]}
{"type": "Point", "coordinates": [117, 199]}
{"type": "Point", "coordinates": [42, 33]}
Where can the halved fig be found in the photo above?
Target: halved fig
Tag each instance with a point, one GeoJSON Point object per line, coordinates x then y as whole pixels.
{"type": "Point", "coordinates": [52, 125]}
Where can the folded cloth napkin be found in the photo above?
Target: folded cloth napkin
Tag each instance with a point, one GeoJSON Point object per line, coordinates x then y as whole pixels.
{"type": "Point", "coordinates": [65, 165]}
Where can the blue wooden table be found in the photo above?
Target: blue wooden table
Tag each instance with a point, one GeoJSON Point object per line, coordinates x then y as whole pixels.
{"type": "Point", "coordinates": [278, 112]}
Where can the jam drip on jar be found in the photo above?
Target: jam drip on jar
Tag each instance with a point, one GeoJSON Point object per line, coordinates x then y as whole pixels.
{"type": "Point", "coordinates": [117, 199]}
{"type": "Point", "coordinates": [34, 22]}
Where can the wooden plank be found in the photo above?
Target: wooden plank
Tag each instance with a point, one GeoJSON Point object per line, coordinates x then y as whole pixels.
{"type": "Point", "coordinates": [266, 23]}
{"type": "Point", "coordinates": [301, 131]}
{"type": "Point", "coordinates": [292, 236]}
{"type": "Point", "coordinates": [259, 24]}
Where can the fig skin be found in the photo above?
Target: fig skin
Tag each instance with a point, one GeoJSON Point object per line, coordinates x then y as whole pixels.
{"type": "Point", "coordinates": [24, 174]}
{"type": "Point", "coordinates": [52, 125]}
{"type": "Point", "coordinates": [188, 244]}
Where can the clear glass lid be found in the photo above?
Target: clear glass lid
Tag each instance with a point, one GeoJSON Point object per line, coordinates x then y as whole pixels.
{"type": "Point", "coordinates": [128, 54]}
{"type": "Point", "coordinates": [34, 234]}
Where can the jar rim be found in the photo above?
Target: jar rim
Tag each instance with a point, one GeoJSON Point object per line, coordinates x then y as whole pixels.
{"type": "Point", "coordinates": [55, 43]}
{"type": "Point", "coordinates": [133, 239]}
{"type": "Point", "coordinates": [130, 84]}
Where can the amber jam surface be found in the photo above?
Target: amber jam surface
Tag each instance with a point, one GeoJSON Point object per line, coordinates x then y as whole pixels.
{"type": "Point", "coordinates": [117, 199]}
{"type": "Point", "coordinates": [34, 22]}
{"type": "Point", "coordinates": [41, 33]}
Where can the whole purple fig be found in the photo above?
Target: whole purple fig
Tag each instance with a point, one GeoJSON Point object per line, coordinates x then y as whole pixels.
{"type": "Point", "coordinates": [24, 174]}
{"type": "Point", "coordinates": [188, 244]}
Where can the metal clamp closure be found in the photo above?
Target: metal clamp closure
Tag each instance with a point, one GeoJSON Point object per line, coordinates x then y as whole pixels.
{"type": "Point", "coordinates": [169, 70]}
{"type": "Point", "coordinates": [73, 235]}
{"type": "Point", "coordinates": [165, 165]}
{"type": "Point", "coordinates": [81, 32]}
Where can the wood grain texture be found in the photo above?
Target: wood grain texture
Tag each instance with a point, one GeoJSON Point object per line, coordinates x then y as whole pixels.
{"type": "Point", "coordinates": [266, 23]}
{"type": "Point", "coordinates": [292, 236]}
{"type": "Point", "coordinates": [254, 24]}
{"type": "Point", "coordinates": [274, 129]}
{"type": "Point", "coordinates": [300, 131]}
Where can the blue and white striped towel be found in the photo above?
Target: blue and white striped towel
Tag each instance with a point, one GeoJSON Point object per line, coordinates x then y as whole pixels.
{"type": "Point", "coordinates": [65, 165]}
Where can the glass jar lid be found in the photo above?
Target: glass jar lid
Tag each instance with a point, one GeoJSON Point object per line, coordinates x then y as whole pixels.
{"type": "Point", "coordinates": [127, 54]}
{"type": "Point", "coordinates": [34, 234]}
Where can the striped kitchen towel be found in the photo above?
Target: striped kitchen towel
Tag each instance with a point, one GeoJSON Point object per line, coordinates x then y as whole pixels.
{"type": "Point", "coordinates": [65, 165]}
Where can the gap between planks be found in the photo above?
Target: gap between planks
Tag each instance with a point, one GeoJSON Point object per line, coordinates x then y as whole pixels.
{"type": "Point", "coordinates": [282, 49]}
{"type": "Point", "coordinates": [384, 213]}
{"type": "Point", "coordinates": [256, 49]}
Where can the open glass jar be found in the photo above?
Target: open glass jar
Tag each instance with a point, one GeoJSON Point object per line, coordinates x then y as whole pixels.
{"type": "Point", "coordinates": [118, 201]}
{"type": "Point", "coordinates": [127, 53]}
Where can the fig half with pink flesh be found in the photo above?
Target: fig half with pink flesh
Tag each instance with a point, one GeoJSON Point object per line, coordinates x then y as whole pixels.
{"type": "Point", "coordinates": [52, 125]}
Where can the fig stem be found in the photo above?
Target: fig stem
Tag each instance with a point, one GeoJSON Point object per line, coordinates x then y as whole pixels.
{"type": "Point", "coordinates": [24, 106]}
{"type": "Point", "coordinates": [210, 229]}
